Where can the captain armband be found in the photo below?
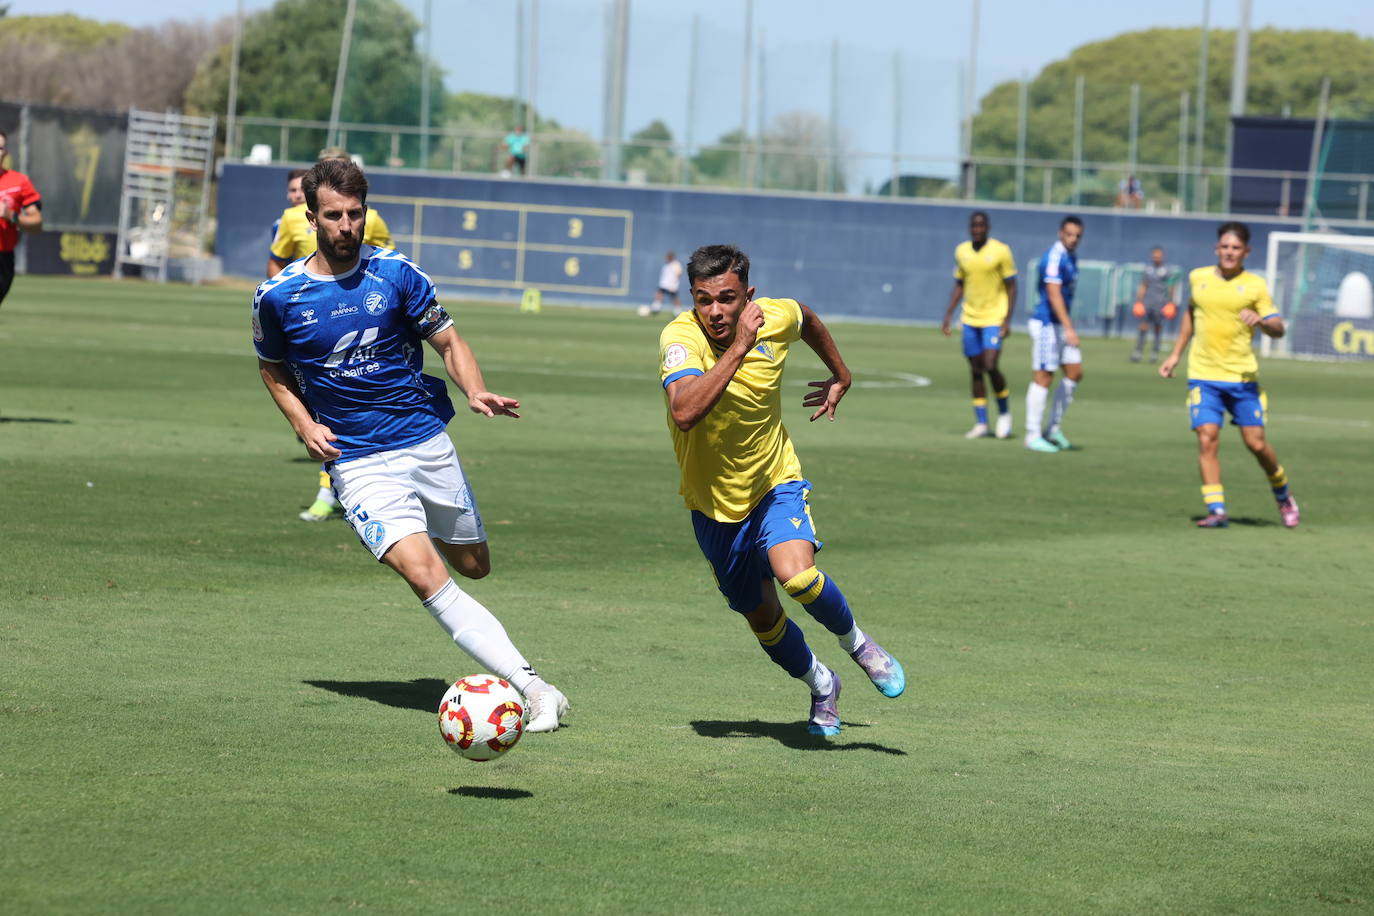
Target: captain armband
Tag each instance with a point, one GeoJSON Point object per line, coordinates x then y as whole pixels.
{"type": "Point", "coordinates": [434, 320]}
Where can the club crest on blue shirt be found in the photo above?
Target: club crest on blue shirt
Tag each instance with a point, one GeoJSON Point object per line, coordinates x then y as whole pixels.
{"type": "Point", "coordinates": [375, 303]}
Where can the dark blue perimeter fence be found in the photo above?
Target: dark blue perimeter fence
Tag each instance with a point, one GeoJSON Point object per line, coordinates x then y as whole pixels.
{"type": "Point", "coordinates": [593, 243]}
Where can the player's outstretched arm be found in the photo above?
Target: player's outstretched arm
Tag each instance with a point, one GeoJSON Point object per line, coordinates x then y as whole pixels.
{"type": "Point", "coordinates": [691, 397]}
{"type": "Point", "coordinates": [1185, 334]}
{"type": "Point", "coordinates": [828, 393]}
{"type": "Point", "coordinates": [318, 438]}
{"type": "Point", "coordinates": [955, 295]}
{"type": "Point", "coordinates": [461, 365]}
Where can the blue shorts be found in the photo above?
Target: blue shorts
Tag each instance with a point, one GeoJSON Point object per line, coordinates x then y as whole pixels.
{"type": "Point", "coordinates": [738, 551]}
{"type": "Point", "coordinates": [976, 340]}
{"type": "Point", "coordinates": [1209, 402]}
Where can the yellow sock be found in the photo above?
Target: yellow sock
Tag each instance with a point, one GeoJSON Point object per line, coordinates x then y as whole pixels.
{"type": "Point", "coordinates": [1215, 498]}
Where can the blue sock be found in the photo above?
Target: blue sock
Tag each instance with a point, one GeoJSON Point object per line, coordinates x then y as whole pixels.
{"type": "Point", "coordinates": [822, 599]}
{"type": "Point", "coordinates": [786, 646]}
{"type": "Point", "coordinates": [980, 410]}
{"type": "Point", "coordinates": [1003, 404]}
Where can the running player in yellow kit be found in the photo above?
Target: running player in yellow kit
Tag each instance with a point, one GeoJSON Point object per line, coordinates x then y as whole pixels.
{"type": "Point", "coordinates": [1227, 304]}
{"type": "Point", "coordinates": [721, 367]}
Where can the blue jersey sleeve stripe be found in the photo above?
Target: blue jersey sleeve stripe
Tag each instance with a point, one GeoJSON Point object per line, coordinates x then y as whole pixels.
{"type": "Point", "coordinates": [681, 373]}
{"type": "Point", "coordinates": [1270, 315]}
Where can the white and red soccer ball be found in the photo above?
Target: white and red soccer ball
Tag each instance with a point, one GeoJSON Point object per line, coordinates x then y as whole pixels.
{"type": "Point", "coordinates": [481, 717]}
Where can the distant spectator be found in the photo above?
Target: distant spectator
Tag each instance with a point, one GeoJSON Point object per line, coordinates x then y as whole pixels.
{"type": "Point", "coordinates": [669, 282]}
{"type": "Point", "coordinates": [1129, 193]}
{"type": "Point", "coordinates": [517, 145]}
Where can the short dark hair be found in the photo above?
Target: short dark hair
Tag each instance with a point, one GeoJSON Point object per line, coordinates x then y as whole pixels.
{"type": "Point", "coordinates": [714, 260]}
{"type": "Point", "coordinates": [340, 174]}
{"type": "Point", "coordinates": [1236, 228]}
{"type": "Point", "coordinates": [977, 213]}
{"type": "Point", "coordinates": [296, 173]}
{"type": "Point", "coordinates": [1070, 221]}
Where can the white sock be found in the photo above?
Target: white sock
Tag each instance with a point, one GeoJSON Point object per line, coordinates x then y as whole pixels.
{"type": "Point", "coordinates": [851, 641]}
{"type": "Point", "coordinates": [478, 633]}
{"type": "Point", "coordinates": [325, 495]}
{"type": "Point", "coordinates": [820, 679]}
{"type": "Point", "coordinates": [1063, 397]}
{"type": "Point", "coordinates": [1036, 396]}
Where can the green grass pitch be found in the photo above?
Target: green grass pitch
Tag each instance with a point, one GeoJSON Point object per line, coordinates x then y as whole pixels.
{"type": "Point", "coordinates": [207, 706]}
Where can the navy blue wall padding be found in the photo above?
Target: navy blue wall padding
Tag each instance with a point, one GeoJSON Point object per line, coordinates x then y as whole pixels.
{"type": "Point", "coordinates": [858, 257]}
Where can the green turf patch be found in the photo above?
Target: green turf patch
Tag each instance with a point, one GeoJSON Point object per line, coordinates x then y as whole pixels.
{"type": "Point", "coordinates": [208, 706]}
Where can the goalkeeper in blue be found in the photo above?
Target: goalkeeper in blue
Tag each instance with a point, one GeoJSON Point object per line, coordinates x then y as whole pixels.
{"type": "Point", "coordinates": [721, 367]}
{"type": "Point", "coordinates": [339, 336]}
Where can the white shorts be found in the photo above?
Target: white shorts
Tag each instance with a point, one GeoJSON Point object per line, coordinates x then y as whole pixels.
{"type": "Point", "coordinates": [397, 493]}
{"type": "Point", "coordinates": [1048, 350]}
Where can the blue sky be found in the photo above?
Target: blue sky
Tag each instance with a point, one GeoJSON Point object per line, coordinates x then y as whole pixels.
{"type": "Point", "coordinates": [474, 43]}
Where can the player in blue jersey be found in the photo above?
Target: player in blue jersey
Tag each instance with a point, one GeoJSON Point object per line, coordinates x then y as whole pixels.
{"type": "Point", "coordinates": [1054, 342]}
{"type": "Point", "coordinates": [338, 336]}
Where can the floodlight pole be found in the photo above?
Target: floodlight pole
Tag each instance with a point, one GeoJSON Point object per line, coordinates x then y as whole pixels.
{"type": "Point", "coordinates": [1200, 186]}
{"type": "Point", "coordinates": [424, 85]}
{"type": "Point", "coordinates": [1239, 80]}
{"type": "Point", "coordinates": [341, 73]}
{"type": "Point", "coordinates": [1309, 204]}
{"type": "Point", "coordinates": [533, 60]}
{"type": "Point", "coordinates": [745, 90]}
{"type": "Point", "coordinates": [614, 125]}
{"type": "Point", "coordinates": [230, 119]}
{"type": "Point", "coordinates": [970, 100]}
{"type": "Point", "coordinates": [692, 48]}
{"type": "Point", "coordinates": [1022, 90]}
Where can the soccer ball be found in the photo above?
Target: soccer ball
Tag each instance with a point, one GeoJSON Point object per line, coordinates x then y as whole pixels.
{"type": "Point", "coordinates": [481, 717]}
{"type": "Point", "coordinates": [644, 311]}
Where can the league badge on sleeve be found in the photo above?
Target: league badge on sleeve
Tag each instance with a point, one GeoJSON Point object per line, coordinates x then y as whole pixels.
{"type": "Point", "coordinates": [675, 355]}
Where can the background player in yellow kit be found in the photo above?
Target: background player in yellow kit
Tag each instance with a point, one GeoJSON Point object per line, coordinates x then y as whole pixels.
{"type": "Point", "coordinates": [295, 238]}
{"type": "Point", "coordinates": [985, 279]}
{"type": "Point", "coordinates": [1227, 304]}
{"type": "Point", "coordinates": [721, 367]}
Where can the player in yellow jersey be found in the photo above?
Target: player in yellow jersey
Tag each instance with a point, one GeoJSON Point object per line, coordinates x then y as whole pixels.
{"type": "Point", "coordinates": [985, 280]}
{"type": "Point", "coordinates": [1227, 304]}
{"type": "Point", "coordinates": [295, 235]}
{"type": "Point", "coordinates": [294, 238]}
{"type": "Point", "coordinates": [721, 368]}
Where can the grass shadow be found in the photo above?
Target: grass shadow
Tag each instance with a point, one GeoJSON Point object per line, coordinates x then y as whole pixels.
{"type": "Point", "coordinates": [423, 693]}
{"type": "Point", "coordinates": [789, 734]}
{"type": "Point", "coordinates": [1244, 521]}
{"type": "Point", "coordinates": [488, 792]}
{"type": "Point", "coordinates": [35, 420]}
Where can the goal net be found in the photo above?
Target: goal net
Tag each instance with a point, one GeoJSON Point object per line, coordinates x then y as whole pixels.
{"type": "Point", "coordinates": [1323, 285]}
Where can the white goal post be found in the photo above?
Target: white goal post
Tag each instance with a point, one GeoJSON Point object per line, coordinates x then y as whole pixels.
{"type": "Point", "coordinates": [1323, 285]}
